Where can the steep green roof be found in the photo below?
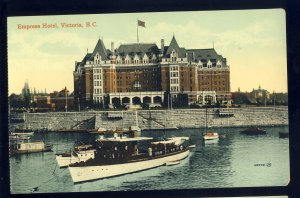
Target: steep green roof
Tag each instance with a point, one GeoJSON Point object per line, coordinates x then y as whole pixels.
{"type": "Point", "coordinates": [204, 54]}
{"type": "Point", "coordinates": [86, 58]}
{"type": "Point", "coordinates": [174, 46]}
{"type": "Point", "coordinates": [137, 48]}
{"type": "Point", "coordinates": [100, 48]}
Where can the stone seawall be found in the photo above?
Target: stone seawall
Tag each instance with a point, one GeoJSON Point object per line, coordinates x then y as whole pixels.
{"type": "Point", "coordinates": [154, 119]}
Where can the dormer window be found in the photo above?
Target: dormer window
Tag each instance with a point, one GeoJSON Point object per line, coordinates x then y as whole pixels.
{"type": "Point", "coordinates": [209, 64]}
{"type": "Point", "coordinates": [173, 56]}
{"type": "Point", "coordinates": [200, 64]}
{"type": "Point", "coordinates": [136, 59]}
{"type": "Point", "coordinates": [145, 58]}
{"type": "Point", "coordinates": [97, 59]}
{"type": "Point", "coordinates": [119, 59]}
{"type": "Point", "coordinates": [127, 59]}
{"type": "Point", "coordinates": [219, 64]}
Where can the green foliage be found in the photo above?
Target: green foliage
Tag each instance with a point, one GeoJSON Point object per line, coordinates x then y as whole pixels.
{"type": "Point", "coordinates": [240, 98]}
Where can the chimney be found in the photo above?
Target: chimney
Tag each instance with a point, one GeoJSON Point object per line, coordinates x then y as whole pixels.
{"type": "Point", "coordinates": [112, 48]}
{"type": "Point", "coordinates": [113, 57]}
{"type": "Point", "coordinates": [162, 45]}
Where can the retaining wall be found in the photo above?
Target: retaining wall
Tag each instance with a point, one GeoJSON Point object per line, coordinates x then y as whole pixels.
{"type": "Point", "coordinates": [184, 118]}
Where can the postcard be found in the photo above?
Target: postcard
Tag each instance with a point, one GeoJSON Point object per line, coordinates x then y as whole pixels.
{"type": "Point", "coordinates": [148, 101]}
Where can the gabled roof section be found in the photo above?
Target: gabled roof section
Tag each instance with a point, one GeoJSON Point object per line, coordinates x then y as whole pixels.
{"type": "Point", "coordinates": [100, 48]}
{"type": "Point", "coordinates": [207, 54]}
{"type": "Point", "coordinates": [174, 46]}
{"type": "Point", "coordinates": [138, 48]}
{"type": "Point", "coordinates": [86, 58]}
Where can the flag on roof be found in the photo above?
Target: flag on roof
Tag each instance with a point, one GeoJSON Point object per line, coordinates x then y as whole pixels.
{"type": "Point", "coordinates": [141, 23]}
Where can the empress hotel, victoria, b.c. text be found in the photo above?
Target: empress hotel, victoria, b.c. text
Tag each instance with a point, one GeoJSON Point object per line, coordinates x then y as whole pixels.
{"type": "Point", "coordinates": [143, 73]}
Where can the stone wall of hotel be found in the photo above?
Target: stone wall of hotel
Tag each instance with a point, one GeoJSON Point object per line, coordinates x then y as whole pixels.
{"type": "Point", "coordinates": [184, 118]}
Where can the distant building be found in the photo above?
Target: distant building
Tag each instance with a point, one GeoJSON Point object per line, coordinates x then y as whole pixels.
{"type": "Point", "coordinates": [260, 93]}
{"type": "Point", "coordinates": [41, 101]}
{"type": "Point", "coordinates": [143, 73]}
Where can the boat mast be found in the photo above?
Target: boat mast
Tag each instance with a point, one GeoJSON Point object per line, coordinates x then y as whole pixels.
{"type": "Point", "coordinates": [206, 117]}
{"type": "Point", "coordinates": [136, 119]}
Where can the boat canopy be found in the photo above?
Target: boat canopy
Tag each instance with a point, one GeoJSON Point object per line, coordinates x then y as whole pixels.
{"type": "Point", "coordinates": [124, 139]}
{"type": "Point", "coordinates": [175, 140]}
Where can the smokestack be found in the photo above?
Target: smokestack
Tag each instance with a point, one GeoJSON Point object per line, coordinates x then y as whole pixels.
{"type": "Point", "coordinates": [162, 45]}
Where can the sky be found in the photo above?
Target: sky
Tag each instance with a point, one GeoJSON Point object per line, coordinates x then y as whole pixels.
{"type": "Point", "coordinates": [253, 41]}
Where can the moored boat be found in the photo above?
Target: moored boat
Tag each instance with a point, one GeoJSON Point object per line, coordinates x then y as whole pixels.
{"type": "Point", "coordinates": [210, 135]}
{"type": "Point", "coordinates": [17, 137]}
{"type": "Point", "coordinates": [26, 130]}
{"type": "Point", "coordinates": [283, 134]}
{"type": "Point", "coordinates": [30, 147]}
{"type": "Point", "coordinates": [170, 128]}
{"type": "Point", "coordinates": [22, 133]}
{"type": "Point", "coordinates": [122, 155]}
{"type": "Point", "coordinates": [254, 131]}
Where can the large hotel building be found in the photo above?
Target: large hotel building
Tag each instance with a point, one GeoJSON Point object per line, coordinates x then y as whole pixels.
{"type": "Point", "coordinates": [143, 73]}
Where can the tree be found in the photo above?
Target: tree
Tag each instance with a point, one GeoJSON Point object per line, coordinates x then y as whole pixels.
{"type": "Point", "coordinates": [240, 98]}
{"type": "Point", "coordinates": [26, 95]}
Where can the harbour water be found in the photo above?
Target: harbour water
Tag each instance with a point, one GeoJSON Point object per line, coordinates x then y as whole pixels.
{"type": "Point", "coordinates": [236, 160]}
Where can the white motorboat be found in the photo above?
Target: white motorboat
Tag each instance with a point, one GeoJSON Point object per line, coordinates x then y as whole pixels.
{"type": "Point", "coordinates": [122, 155]}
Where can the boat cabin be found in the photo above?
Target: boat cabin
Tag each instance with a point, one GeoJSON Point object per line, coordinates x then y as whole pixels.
{"type": "Point", "coordinates": [30, 146]}
{"type": "Point", "coordinates": [121, 149]}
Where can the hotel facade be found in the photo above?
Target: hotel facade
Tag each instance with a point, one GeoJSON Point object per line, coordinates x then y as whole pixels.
{"type": "Point", "coordinates": [144, 73]}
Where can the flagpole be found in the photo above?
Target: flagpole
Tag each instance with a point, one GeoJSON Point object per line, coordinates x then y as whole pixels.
{"type": "Point", "coordinates": [137, 30]}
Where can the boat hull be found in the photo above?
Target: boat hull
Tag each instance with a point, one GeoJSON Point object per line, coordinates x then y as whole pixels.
{"type": "Point", "coordinates": [22, 134]}
{"type": "Point", "coordinates": [283, 134]}
{"type": "Point", "coordinates": [46, 149]}
{"type": "Point", "coordinates": [207, 138]}
{"type": "Point", "coordinates": [254, 131]}
{"type": "Point", "coordinates": [88, 173]}
{"type": "Point", "coordinates": [261, 132]}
